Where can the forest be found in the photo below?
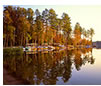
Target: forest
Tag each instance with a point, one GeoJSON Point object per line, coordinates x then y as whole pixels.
{"type": "Point", "coordinates": [22, 26]}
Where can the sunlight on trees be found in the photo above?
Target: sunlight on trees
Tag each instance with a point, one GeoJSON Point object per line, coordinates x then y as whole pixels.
{"type": "Point", "coordinates": [23, 26]}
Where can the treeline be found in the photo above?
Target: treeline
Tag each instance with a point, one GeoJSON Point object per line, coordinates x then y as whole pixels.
{"type": "Point", "coordinates": [21, 26]}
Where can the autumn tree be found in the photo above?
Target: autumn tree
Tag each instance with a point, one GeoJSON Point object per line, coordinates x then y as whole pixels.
{"type": "Point", "coordinates": [23, 26]}
{"type": "Point", "coordinates": [30, 17]}
{"type": "Point", "coordinates": [39, 26]}
{"type": "Point", "coordinates": [77, 33]}
{"type": "Point", "coordinates": [91, 33]}
{"type": "Point", "coordinates": [53, 20]}
{"type": "Point", "coordinates": [66, 26]}
{"type": "Point", "coordinates": [8, 32]}
{"type": "Point", "coordinates": [45, 19]}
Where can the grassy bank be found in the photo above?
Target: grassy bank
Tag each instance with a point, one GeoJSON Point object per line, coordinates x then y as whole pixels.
{"type": "Point", "coordinates": [12, 51]}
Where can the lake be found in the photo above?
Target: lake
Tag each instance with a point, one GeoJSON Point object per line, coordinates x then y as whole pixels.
{"type": "Point", "coordinates": [64, 67]}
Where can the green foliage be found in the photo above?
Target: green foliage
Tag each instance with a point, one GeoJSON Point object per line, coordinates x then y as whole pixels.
{"type": "Point", "coordinates": [23, 26]}
{"type": "Point", "coordinates": [12, 51]}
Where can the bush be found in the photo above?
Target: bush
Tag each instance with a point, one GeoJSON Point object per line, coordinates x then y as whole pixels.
{"type": "Point", "coordinates": [12, 51]}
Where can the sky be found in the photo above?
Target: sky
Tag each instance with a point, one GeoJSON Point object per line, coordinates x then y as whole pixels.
{"type": "Point", "coordinates": [89, 16]}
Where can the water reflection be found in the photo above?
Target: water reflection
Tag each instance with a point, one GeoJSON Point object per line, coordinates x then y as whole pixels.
{"type": "Point", "coordinates": [46, 67]}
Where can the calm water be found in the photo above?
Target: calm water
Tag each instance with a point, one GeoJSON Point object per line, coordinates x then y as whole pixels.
{"type": "Point", "coordinates": [57, 67]}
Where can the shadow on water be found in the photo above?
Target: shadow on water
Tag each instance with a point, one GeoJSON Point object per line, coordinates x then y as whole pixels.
{"type": "Point", "coordinates": [46, 67]}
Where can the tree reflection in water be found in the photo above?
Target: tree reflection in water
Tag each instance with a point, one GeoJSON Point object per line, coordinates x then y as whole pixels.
{"type": "Point", "coordinates": [46, 67]}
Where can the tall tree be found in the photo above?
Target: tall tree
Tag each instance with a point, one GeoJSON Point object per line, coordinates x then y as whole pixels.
{"type": "Point", "coordinates": [8, 31]}
{"type": "Point", "coordinates": [53, 20]}
{"type": "Point", "coordinates": [77, 33]}
{"type": "Point", "coordinates": [30, 14]}
{"type": "Point", "coordinates": [91, 33]}
{"type": "Point", "coordinates": [66, 26]}
{"type": "Point", "coordinates": [45, 18]}
{"type": "Point", "coordinates": [39, 25]}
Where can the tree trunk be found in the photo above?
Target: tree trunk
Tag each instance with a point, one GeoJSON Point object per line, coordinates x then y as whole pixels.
{"type": "Point", "coordinates": [7, 41]}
